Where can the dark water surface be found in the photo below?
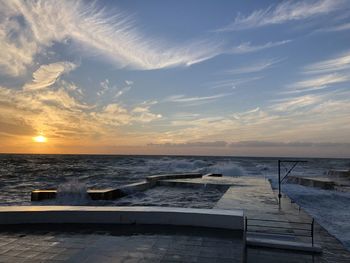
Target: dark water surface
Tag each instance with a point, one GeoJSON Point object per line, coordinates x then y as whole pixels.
{"type": "Point", "coordinates": [20, 174]}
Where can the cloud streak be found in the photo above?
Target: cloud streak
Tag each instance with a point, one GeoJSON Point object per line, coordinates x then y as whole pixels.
{"type": "Point", "coordinates": [340, 62]}
{"type": "Point", "coordinates": [284, 12]}
{"type": "Point", "coordinates": [318, 82]}
{"type": "Point", "coordinates": [253, 68]}
{"type": "Point", "coordinates": [31, 26]}
{"type": "Point", "coordinates": [46, 75]}
{"type": "Point", "coordinates": [336, 28]}
{"type": "Point", "coordinates": [247, 47]}
{"type": "Point", "coordinates": [195, 100]}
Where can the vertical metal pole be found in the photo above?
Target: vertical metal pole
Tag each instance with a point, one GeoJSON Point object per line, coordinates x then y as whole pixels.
{"type": "Point", "coordinates": [279, 181]}
{"type": "Point", "coordinates": [312, 232]}
{"type": "Point", "coordinates": [245, 248]}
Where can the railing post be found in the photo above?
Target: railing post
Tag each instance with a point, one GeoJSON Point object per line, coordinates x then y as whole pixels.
{"type": "Point", "coordinates": [312, 231]}
{"type": "Point", "coordinates": [279, 182]}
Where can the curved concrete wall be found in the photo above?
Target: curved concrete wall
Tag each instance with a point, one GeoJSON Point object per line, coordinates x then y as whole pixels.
{"type": "Point", "coordinates": [215, 218]}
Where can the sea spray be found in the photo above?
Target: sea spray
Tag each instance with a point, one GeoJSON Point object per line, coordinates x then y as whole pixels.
{"type": "Point", "coordinates": [226, 169]}
{"type": "Point", "coordinates": [72, 192]}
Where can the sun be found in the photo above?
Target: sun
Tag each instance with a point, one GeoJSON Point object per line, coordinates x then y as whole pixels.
{"type": "Point", "coordinates": [40, 139]}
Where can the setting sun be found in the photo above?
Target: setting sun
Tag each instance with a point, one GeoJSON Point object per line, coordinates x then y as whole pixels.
{"type": "Point", "coordinates": [40, 138]}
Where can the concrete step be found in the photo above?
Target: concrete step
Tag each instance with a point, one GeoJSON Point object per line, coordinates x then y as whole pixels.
{"type": "Point", "coordinates": [283, 244]}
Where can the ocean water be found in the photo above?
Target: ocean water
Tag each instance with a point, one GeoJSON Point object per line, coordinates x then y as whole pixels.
{"type": "Point", "coordinates": [20, 174]}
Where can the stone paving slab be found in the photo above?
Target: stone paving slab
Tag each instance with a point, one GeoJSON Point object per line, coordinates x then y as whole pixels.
{"type": "Point", "coordinates": [174, 245]}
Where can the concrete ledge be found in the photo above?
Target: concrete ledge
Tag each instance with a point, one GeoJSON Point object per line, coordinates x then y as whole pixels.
{"type": "Point", "coordinates": [154, 178]}
{"type": "Point", "coordinates": [339, 173]}
{"type": "Point", "coordinates": [221, 187]}
{"type": "Point", "coordinates": [323, 183]}
{"type": "Point", "coordinates": [103, 194]}
{"type": "Point", "coordinates": [213, 218]}
{"type": "Point", "coordinates": [282, 244]}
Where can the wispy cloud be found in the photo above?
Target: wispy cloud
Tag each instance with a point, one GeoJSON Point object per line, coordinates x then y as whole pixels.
{"type": "Point", "coordinates": [336, 28]}
{"type": "Point", "coordinates": [337, 63]}
{"type": "Point", "coordinates": [46, 75]}
{"type": "Point", "coordinates": [230, 83]}
{"type": "Point", "coordinates": [284, 12]}
{"type": "Point", "coordinates": [113, 91]}
{"type": "Point", "coordinates": [296, 103]}
{"type": "Point", "coordinates": [29, 27]}
{"type": "Point", "coordinates": [265, 144]}
{"type": "Point", "coordinates": [318, 82]}
{"type": "Point", "coordinates": [257, 67]}
{"type": "Point", "coordinates": [247, 47]}
{"type": "Point", "coordinates": [194, 100]}
{"type": "Point", "coordinates": [190, 144]}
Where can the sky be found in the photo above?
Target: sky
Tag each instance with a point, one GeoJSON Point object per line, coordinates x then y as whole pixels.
{"type": "Point", "coordinates": [240, 78]}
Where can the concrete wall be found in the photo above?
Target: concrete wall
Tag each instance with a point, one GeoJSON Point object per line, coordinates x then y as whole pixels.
{"type": "Point", "coordinates": [214, 218]}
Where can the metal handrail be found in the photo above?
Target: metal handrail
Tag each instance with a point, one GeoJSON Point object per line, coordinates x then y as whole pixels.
{"type": "Point", "coordinates": [280, 221]}
{"type": "Point", "coordinates": [308, 232]}
{"type": "Point", "coordinates": [287, 228]}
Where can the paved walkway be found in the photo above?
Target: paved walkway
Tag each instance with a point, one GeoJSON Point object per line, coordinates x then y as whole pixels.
{"type": "Point", "coordinates": [124, 244]}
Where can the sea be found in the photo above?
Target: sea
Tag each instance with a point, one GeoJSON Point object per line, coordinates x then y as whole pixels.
{"type": "Point", "coordinates": [22, 173]}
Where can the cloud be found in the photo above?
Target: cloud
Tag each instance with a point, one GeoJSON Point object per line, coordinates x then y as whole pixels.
{"type": "Point", "coordinates": [112, 91]}
{"type": "Point", "coordinates": [16, 127]}
{"type": "Point", "coordinates": [336, 28]}
{"type": "Point", "coordinates": [190, 144]}
{"type": "Point", "coordinates": [297, 103]}
{"type": "Point", "coordinates": [318, 82]}
{"type": "Point", "coordinates": [340, 62]}
{"type": "Point", "coordinates": [265, 144]}
{"type": "Point", "coordinates": [46, 75]}
{"type": "Point", "coordinates": [195, 100]}
{"type": "Point", "coordinates": [230, 83]}
{"type": "Point", "coordinates": [29, 27]}
{"type": "Point", "coordinates": [247, 47]}
{"type": "Point", "coordinates": [251, 144]}
{"type": "Point", "coordinates": [17, 48]}
{"type": "Point", "coordinates": [283, 12]}
{"type": "Point", "coordinates": [303, 118]}
{"type": "Point", "coordinates": [57, 108]}
{"type": "Point", "coordinates": [257, 67]}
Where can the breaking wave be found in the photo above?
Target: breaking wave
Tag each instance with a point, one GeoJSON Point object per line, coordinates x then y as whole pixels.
{"type": "Point", "coordinates": [72, 192]}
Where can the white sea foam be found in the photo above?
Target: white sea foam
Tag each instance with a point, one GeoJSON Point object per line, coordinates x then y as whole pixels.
{"type": "Point", "coordinates": [331, 209]}
{"type": "Point", "coordinates": [72, 192]}
{"type": "Point", "coordinates": [226, 169]}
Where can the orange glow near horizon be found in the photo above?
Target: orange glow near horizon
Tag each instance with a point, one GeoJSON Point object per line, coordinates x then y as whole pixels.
{"type": "Point", "coordinates": [40, 139]}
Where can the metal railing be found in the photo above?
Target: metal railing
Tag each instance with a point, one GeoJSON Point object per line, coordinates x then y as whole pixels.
{"type": "Point", "coordinates": [292, 229]}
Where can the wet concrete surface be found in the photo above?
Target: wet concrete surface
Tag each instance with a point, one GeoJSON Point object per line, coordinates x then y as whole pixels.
{"type": "Point", "coordinates": [96, 243]}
